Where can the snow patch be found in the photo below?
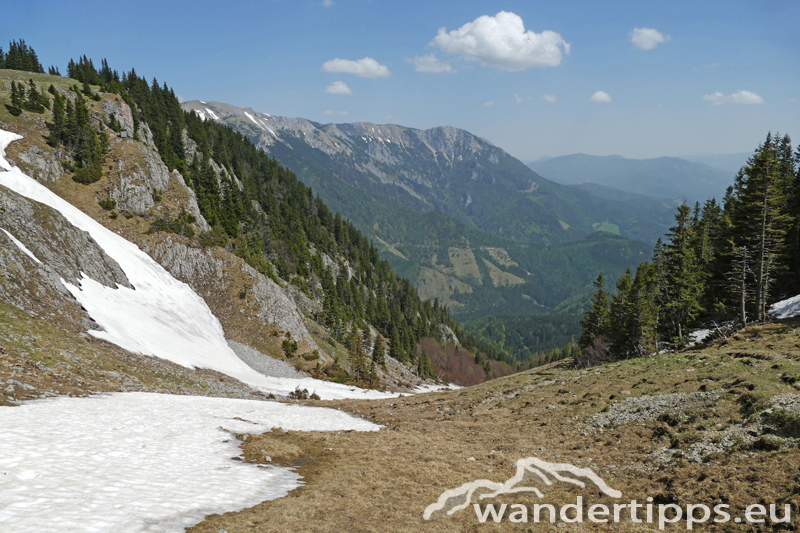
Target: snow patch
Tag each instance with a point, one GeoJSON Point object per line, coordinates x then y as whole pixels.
{"type": "Point", "coordinates": [786, 308]}
{"type": "Point", "coordinates": [421, 389]}
{"type": "Point", "coordinates": [254, 120]}
{"type": "Point", "coordinates": [212, 114]}
{"type": "Point", "coordinates": [698, 336]}
{"type": "Point", "coordinates": [21, 246]}
{"type": "Point", "coordinates": [130, 462]}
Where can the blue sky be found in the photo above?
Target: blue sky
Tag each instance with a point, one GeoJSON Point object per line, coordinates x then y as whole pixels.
{"type": "Point", "coordinates": [702, 76]}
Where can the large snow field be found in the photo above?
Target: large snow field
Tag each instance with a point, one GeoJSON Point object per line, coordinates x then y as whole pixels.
{"type": "Point", "coordinates": [161, 316]}
{"type": "Point", "coordinates": [129, 462]}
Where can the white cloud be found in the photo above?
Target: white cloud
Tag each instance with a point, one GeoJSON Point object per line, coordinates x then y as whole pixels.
{"type": "Point", "coordinates": [342, 113]}
{"type": "Point", "coordinates": [739, 97]}
{"type": "Point", "coordinates": [338, 87]}
{"type": "Point", "coordinates": [488, 104]}
{"type": "Point", "coordinates": [647, 38]}
{"type": "Point", "coordinates": [327, 3]}
{"type": "Point", "coordinates": [364, 68]}
{"type": "Point", "coordinates": [431, 63]}
{"type": "Point", "coordinates": [502, 41]}
{"type": "Point", "coordinates": [792, 100]}
{"type": "Point", "coordinates": [600, 97]}
{"type": "Point", "coordinates": [551, 98]}
{"type": "Point", "coordinates": [521, 99]}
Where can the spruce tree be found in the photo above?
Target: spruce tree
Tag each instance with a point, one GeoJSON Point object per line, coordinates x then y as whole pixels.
{"type": "Point", "coordinates": [595, 324]}
{"type": "Point", "coordinates": [684, 281]}
{"type": "Point", "coordinates": [760, 219]}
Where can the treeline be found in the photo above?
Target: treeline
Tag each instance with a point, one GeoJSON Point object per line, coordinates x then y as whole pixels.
{"type": "Point", "coordinates": [72, 128]}
{"type": "Point", "coordinates": [260, 211]}
{"type": "Point", "coordinates": [530, 339]}
{"type": "Point", "coordinates": [721, 263]}
{"type": "Point", "coordinates": [20, 57]}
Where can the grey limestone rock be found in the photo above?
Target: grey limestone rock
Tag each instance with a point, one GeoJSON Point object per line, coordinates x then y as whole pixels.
{"type": "Point", "coordinates": [44, 166]}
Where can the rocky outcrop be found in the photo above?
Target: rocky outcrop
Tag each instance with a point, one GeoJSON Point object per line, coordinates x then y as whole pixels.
{"type": "Point", "coordinates": [139, 178]}
{"type": "Point", "coordinates": [117, 108]}
{"type": "Point", "coordinates": [38, 249]}
{"type": "Point", "coordinates": [42, 166]}
{"type": "Point", "coordinates": [69, 252]}
{"type": "Point", "coordinates": [249, 305]}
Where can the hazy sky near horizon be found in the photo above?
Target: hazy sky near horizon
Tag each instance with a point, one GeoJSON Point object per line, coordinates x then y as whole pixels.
{"type": "Point", "coordinates": [639, 79]}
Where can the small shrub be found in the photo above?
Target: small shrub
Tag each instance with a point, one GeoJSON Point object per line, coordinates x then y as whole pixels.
{"type": "Point", "coordinates": [313, 356]}
{"type": "Point", "coordinates": [87, 176]}
{"type": "Point", "coordinates": [182, 224]}
{"type": "Point", "coordinates": [786, 423]}
{"type": "Point", "coordinates": [767, 444]}
{"type": "Point", "coordinates": [298, 394]}
{"type": "Point", "coordinates": [108, 204]}
{"type": "Point", "coordinates": [215, 237]}
{"type": "Point", "coordinates": [289, 348]}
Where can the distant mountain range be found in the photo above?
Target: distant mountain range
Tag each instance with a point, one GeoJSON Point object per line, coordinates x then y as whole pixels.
{"type": "Point", "coordinates": [727, 162]}
{"type": "Point", "coordinates": [465, 221]}
{"type": "Point", "coordinates": [669, 178]}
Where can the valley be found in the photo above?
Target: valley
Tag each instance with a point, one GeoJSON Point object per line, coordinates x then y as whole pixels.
{"type": "Point", "coordinates": [218, 320]}
{"type": "Point", "coordinates": [467, 223]}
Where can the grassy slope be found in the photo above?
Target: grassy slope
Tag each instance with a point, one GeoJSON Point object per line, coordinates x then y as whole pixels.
{"type": "Point", "coordinates": [383, 481]}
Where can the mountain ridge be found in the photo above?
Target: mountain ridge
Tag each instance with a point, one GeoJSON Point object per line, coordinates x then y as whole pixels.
{"type": "Point", "coordinates": [669, 178]}
{"type": "Point", "coordinates": [428, 197]}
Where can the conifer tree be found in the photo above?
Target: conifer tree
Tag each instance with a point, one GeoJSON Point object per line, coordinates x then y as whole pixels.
{"type": "Point", "coordinates": [622, 318]}
{"type": "Point", "coordinates": [595, 323]}
{"type": "Point", "coordinates": [683, 277]}
{"type": "Point", "coordinates": [760, 219]}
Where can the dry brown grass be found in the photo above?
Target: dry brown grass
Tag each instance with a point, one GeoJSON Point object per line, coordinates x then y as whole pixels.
{"type": "Point", "coordinates": [383, 481]}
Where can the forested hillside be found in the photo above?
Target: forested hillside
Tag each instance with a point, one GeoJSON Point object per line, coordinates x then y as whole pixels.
{"type": "Point", "coordinates": [722, 265]}
{"type": "Point", "coordinates": [466, 223]}
{"type": "Point", "coordinates": [255, 208]}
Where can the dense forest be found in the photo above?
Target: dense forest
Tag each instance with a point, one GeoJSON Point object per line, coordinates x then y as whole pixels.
{"type": "Point", "coordinates": [531, 340]}
{"type": "Point", "coordinates": [721, 266]}
{"type": "Point", "coordinates": [261, 212]}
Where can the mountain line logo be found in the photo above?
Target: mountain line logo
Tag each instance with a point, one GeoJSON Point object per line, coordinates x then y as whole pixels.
{"type": "Point", "coordinates": [531, 468]}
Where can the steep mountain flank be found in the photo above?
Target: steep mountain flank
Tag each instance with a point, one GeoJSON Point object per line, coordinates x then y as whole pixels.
{"type": "Point", "coordinates": [444, 169]}
{"type": "Point", "coordinates": [426, 197]}
{"type": "Point", "coordinates": [55, 251]}
{"type": "Point", "coordinates": [138, 197]}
